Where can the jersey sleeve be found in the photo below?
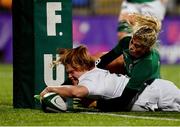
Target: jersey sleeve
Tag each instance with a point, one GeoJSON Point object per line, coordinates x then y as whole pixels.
{"type": "Point", "coordinates": [141, 72]}
{"type": "Point", "coordinates": [114, 53]}
{"type": "Point", "coordinates": [88, 83]}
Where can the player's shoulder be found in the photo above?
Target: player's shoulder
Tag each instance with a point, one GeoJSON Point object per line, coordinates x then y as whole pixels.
{"type": "Point", "coordinates": [90, 74]}
{"type": "Point", "coordinates": [154, 54]}
{"type": "Point", "coordinates": [97, 71]}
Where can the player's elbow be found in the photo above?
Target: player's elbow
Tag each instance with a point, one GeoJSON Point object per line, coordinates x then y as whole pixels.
{"type": "Point", "coordinates": [79, 93]}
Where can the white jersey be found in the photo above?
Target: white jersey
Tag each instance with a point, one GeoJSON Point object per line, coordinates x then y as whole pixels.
{"type": "Point", "coordinates": [103, 84]}
{"type": "Point", "coordinates": [161, 93]}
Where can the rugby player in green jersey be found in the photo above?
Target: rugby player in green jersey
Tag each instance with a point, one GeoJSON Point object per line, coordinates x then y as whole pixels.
{"type": "Point", "coordinates": [141, 60]}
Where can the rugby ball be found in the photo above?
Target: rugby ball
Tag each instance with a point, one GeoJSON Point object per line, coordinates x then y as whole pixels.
{"type": "Point", "coordinates": [53, 102]}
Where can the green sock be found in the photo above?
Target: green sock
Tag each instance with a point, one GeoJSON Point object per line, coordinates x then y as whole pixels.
{"type": "Point", "coordinates": [37, 98]}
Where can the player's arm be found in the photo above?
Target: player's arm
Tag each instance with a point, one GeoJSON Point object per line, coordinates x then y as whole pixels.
{"type": "Point", "coordinates": [67, 91]}
{"type": "Point", "coordinates": [114, 53]}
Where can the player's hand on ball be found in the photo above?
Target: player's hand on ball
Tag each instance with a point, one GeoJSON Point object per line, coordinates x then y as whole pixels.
{"type": "Point", "coordinates": [45, 91]}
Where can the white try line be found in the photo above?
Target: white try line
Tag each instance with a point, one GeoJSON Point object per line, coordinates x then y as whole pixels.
{"type": "Point", "coordinates": [132, 116]}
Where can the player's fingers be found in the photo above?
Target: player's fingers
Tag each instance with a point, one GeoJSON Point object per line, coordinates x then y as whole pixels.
{"type": "Point", "coordinates": [43, 92]}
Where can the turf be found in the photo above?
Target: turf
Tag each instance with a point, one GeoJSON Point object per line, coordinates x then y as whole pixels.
{"type": "Point", "coordinates": [33, 117]}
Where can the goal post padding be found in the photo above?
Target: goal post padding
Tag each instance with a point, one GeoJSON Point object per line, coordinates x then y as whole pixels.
{"type": "Point", "coordinates": [39, 28]}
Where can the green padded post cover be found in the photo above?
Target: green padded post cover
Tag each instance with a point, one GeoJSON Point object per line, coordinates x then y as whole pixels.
{"type": "Point", "coordinates": [39, 28]}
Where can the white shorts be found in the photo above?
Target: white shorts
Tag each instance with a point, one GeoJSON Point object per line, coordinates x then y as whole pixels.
{"type": "Point", "coordinates": [154, 8]}
{"type": "Point", "coordinates": [161, 94]}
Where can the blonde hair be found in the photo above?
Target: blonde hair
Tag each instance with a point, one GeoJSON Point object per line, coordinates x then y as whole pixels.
{"type": "Point", "coordinates": [78, 58]}
{"type": "Point", "coordinates": [146, 29]}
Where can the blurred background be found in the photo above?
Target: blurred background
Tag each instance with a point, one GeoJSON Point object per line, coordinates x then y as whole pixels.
{"type": "Point", "coordinates": [95, 24]}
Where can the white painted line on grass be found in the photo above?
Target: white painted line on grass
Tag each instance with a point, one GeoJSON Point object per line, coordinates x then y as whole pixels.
{"type": "Point", "coordinates": [132, 116]}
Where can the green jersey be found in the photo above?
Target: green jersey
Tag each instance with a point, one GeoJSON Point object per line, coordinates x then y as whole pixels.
{"type": "Point", "coordinates": [139, 70]}
{"type": "Point", "coordinates": [142, 69]}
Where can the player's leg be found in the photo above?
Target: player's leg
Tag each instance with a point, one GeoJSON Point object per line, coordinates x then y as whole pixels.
{"type": "Point", "coordinates": [169, 99]}
{"type": "Point", "coordinates": [123, 27]}
{"type": "Point", "coordinates": [155, 8]}
{"type": "Point", "coordinates": [148, 99]}
{"type": "Point", "coordinates": [139, 108]}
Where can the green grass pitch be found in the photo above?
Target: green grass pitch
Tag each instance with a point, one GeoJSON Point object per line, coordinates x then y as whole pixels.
{"type": "Point", "coordinates": [34, 117]}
